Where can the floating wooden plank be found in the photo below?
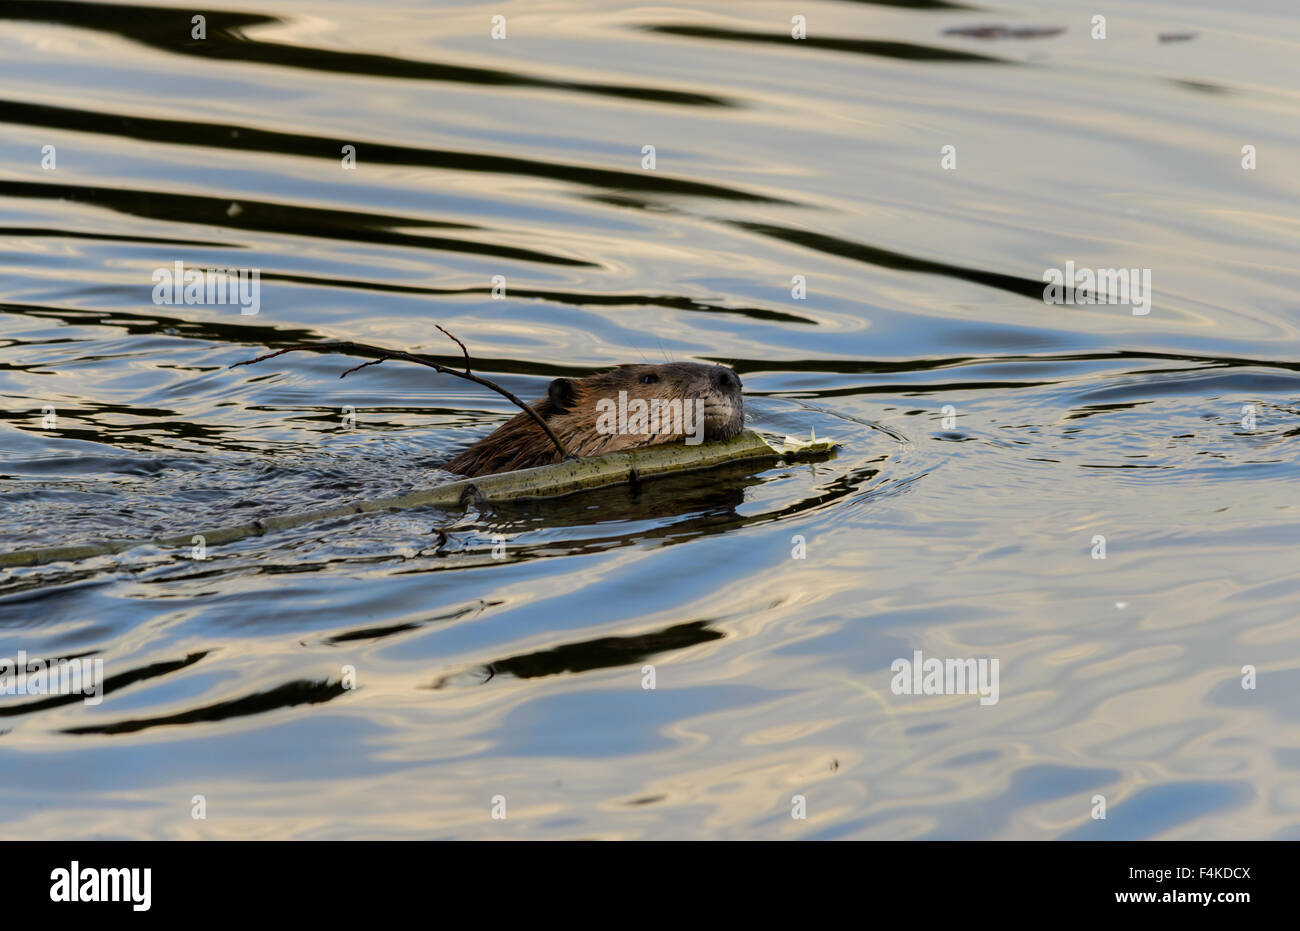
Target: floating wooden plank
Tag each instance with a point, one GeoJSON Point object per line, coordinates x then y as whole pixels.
{"type": "Point", "coordinates": [564, 478]}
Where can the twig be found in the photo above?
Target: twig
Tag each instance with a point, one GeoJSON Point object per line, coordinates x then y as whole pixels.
{"type": "Point", "coordinates": [462, 348]}
{"type": "Point", "coordinates": [379, 354]}
{"type": "Point", "coordinates": [362, 365]}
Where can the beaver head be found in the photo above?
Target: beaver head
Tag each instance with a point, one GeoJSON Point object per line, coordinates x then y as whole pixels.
{"type": "Point", "coordinates": [625, 408]}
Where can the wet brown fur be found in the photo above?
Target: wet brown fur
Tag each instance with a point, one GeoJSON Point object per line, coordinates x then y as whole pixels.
{"type": "Point", "coordinates": [570, 410]}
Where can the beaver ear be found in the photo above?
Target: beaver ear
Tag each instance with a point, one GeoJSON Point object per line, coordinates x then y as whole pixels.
{"type": "Point", "coordinates": [561, 394]}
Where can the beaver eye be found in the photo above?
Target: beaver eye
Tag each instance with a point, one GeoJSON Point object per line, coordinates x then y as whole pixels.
{"type": "Point", "coordinates": [649, 379]}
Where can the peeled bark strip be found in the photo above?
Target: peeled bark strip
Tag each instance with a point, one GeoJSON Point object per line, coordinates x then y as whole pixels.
{"type": "Point", "coordinates": [562, 478]}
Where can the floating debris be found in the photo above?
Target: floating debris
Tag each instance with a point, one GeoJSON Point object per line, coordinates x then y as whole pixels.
{"type": "Point", "coordinates": [1005, 32]}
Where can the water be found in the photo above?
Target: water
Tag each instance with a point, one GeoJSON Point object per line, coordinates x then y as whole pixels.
{"type": "Point", "coordinates": [966, 532]}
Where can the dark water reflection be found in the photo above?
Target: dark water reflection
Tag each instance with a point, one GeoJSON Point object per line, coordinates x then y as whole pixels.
{"type": "Point", "coordinates": [988, 438]}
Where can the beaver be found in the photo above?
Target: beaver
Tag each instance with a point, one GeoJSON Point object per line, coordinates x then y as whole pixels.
{"type": "Point", "coordinates": [625, 408]}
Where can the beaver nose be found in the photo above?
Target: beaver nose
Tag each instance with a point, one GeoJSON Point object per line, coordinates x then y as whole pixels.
{"type": "Point", "coordinates": [726, 379]}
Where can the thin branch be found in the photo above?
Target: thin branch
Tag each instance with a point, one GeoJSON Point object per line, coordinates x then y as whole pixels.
{"type": "Point", "coordinates": [380, 354]}
{"type": "Point", "coordinates": [462, 348]}
{"type": "Point", "coordinates": [363, 365]}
